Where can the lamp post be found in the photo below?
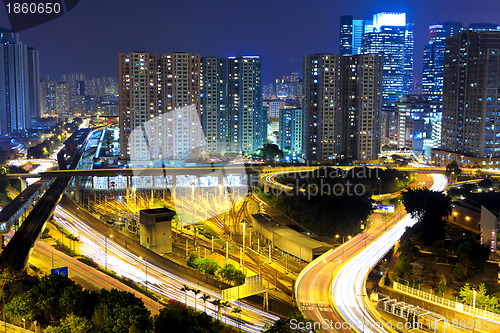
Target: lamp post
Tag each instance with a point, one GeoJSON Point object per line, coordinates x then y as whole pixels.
{"type": "Point", "coordinates": [474, 311]}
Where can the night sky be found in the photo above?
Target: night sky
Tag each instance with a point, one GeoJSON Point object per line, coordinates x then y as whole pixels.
{"type": "Point", "coordinates": [88, 38]}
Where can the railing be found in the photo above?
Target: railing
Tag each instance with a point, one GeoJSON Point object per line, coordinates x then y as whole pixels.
{"type": "Point", "coordinates": [456, 306]}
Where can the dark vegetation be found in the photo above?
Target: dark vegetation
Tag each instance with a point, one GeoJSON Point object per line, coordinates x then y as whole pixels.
{"type": "Point", "coordinates": [228, 273]}
{"type": "Point", "coordinates": [458, 247]}
{"type": "Point", "coordinates": [60, 305]}
{"type": "Point", "coordinates": [334, 201]}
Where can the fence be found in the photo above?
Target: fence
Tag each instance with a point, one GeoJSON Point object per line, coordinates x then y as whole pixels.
{"type": "Point", "coordinates": [456, 306]}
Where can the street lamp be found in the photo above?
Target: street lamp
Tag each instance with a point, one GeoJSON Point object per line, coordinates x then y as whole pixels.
{"type": "Point", "coordinates": [106, 250]}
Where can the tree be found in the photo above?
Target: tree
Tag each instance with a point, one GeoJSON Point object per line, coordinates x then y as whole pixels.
{"type": "Point", "coordinates": [51, 300]}
{"type": "Point", "coordinates": [237, 311]}
{"type": "Point", "coordinates": [270, 152]}
{"type": "Point", "coordinates": [430, 208]}
{"type": "Point", "coordinates": [232, 274]}
{"type": "Point", "coordinates": [185, 289]}
{"type": "Point", "coordinates": [205, 298]}
{"type": "Point", "coordinates": [186, 320]}
{"type": "Point", "coordinates": [217, 303]}
{"type": "Point", "coordinates": [225, 304]}
{"type": "Point", "coordinates": [467, 295]}
{"type": "Point", "coordinates": [100, 316]}
{"type": "Point", "coordinates": [71, 324]}
{"type": "Point", "coordinates": [195, 292]}
{"type": "Point", "coordinates": [452, 169]}
{"type": "Point", "coordinates": [125, 311]}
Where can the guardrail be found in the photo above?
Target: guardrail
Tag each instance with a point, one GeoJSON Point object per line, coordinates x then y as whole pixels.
{"type": "Point", "coordinates": [456, 306]}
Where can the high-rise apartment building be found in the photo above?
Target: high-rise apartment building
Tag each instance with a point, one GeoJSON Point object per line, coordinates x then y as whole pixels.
{"type": "Point", "coordinates": [246, 117]}
{"type": "Point", "coordinates": [214, 103]}
{"type": "Point", "coordinates": [139, 102]}
{"type": "Point", "coordinates": [63, 99]}
{"type": "Point", "coordinates": [342, 106]}
{"type": "Point", "coordinates": [323, 117]}
{"type": "Point", "coordinates": [290, 133]}
{"type": "Point", "coordinates": [471, 94]}
{"type": "Point", "coordinates": [362, 105]}
{"type": "Point", "coordinates": [159, 107]}
{"type": "Point", "coordinates": [19, 80]}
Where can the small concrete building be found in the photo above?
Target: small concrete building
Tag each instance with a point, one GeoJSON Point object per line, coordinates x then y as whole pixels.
{"type": "Point", "coordinates": [156, 229]}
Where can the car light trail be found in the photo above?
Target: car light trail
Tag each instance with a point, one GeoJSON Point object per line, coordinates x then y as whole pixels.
{"type": "Point", "coordinates": [339, 297]}
{"type": "Point", "coordinates": [166, 284]}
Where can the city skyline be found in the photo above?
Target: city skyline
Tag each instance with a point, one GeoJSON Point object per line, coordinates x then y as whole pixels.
{"type": "Point", "coordinates": [275, 37]}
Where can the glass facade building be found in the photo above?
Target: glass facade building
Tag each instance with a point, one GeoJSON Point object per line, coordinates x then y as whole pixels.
{"type": "Point", "coordinates": [19, 83]}
{"type": "Point", "coordinates": [433, 59]}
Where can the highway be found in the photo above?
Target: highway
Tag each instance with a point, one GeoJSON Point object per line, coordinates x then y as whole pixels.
{"type": "Point", "coordinates": [124, 263]}
{"type": "Point", "coordinates": [332, 288]}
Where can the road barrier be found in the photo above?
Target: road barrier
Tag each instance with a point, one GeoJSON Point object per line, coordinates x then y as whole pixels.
{"type": "Point", "coordinates": [456, 306]}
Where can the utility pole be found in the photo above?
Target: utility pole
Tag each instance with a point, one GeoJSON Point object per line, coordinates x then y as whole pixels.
{"type": "Point", "coordinates": [269, 253]}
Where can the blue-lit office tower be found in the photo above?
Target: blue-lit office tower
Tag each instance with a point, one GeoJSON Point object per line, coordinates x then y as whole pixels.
{"type": "Point", "coordinates": [19, 78]}
{"type": "Point", "coordinates": [351, 34]}
{"type": "Point", "coordinates": [246, 117]}
{"type": "Point", "coordinates": [392, 38]}
{"type": "Point", "coordinates": [433, 63]}
{"type": "Point", "coordinates": [290, 133]}
{"type": "Point", "coordinates": [433, 59]}
{"type": "Point", "coordinates": [214, 103]}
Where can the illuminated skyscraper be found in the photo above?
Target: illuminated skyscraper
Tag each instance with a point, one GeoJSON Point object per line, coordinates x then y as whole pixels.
{"type": "Point", "coordinates": [19, 80]}
{"type": "Point", "coordinates": [351, 34]}
{"type": "Point", "coordinates": [392, 38]}
{"type": "Point", "coordinates": [246, 117]}
{"type": "Point", "coordinates": [471, 94]}
{"type": "Point", "coordinates": [214, 103]}
{"type": "Point", "coordinates": [433, 60]}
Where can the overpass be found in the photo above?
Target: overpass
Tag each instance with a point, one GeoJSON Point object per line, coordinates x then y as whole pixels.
{"type": "Point", "coordinates": [16, 253]}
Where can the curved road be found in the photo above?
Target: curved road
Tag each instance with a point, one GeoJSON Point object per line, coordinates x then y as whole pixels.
{"type": "Point", "coordinates": [331, 290]}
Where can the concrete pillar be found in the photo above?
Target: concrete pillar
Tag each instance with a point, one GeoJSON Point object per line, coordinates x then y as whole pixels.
{"type": "Point", "coordinates": [221, 184]}
{"type": "Point", "coordinates": [24, 184]}
{"type": "Point", "coordinates": [174, 185]}
{"type": "Point", "coordinates": [128, 189]}
{"type": "Point", "coordinates": [77, 188]}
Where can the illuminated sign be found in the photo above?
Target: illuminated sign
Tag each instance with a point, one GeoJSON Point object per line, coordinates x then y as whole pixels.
{"type": "Point", "coordinates": [384, 208]}
{"type": "Point", "coordinates": [389, 20]}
